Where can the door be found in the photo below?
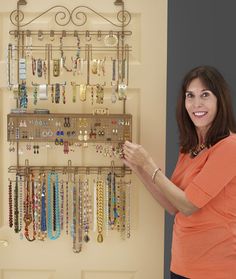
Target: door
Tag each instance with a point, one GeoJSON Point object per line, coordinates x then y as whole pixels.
{"type": "Point", "coordinates": [140, 256]}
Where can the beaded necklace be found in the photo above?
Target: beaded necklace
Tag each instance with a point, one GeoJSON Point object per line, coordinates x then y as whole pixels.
{"type": "Point", "coordinates": [57, 207]}
{"type": "Point", "coordinates": [28, 209]}
{"type": "Point", "coordinates": [10, 204]}
{"type": "Point", "coordinates": [43, 206]}
{"type": "Point", "coordinates": [80, 215]}
{"type": "Point", "coordinates": [127, 209]}
{"type": "Point", "coordinates": [16, 209]}
{"type": "Point", "coordinates": [20, 203]}
{"type": "Point", "coordinates": [67, 207]}
{"type": "Point", "coordinates": [62, 205]}
{"type": "Point", "coordinates": [194, 152]}
{"type": "Point", "coordinates": [73, 225]}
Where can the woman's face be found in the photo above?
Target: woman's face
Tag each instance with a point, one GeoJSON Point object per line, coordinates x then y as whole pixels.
{"type": "Point", "coordinates": [201, 105]}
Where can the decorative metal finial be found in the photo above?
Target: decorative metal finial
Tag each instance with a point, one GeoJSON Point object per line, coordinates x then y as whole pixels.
{"type": "Point", "coordinates": [22, 2]}
{"type": "Point", "coordinates": [119, 2]}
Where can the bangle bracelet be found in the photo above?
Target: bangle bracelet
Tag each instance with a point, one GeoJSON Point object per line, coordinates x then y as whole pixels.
{"type": "Point", "coordinates": [154, 174]}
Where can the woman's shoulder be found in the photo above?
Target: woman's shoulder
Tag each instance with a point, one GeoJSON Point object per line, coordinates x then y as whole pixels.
{"type": "Point", "coordinates": [228, 143]}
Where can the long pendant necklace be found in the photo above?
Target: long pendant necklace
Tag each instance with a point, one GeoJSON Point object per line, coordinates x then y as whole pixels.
{"type": "Point", "coordinates": [20, 203]}
{"type": "Point", "coordinates": [74, 218]}
{"type": "Point", "coordinates": [43, 221]}
{"type": "Point", "coordinates": [67, 207]}
{"type": "Point", "coordinates": [80, 215]}
{"type": "Point", "coordinates": [57, 207]}
{"type": "Point", "coordinates": [10, 204]}
{"type": "Point", "coordinates": [62, 205]}
{"type": "Point", "coordinates": [86, 209]}
{"type": "Point", "coordinates": [127, 209]}
{"type": "Point", "coordinates": [100, 209]}
{"type": "Point", "coordinates": [28, 209]}
{"type": "Point", "coordinates": [16, 209]}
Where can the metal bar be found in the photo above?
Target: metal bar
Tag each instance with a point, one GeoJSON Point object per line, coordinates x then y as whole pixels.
{"type": "Point", "coordinates": [71, 33]}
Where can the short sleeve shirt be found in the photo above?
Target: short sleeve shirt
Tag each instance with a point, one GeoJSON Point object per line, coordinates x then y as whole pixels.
{"type": "Point", "coordinates": [204, 244]}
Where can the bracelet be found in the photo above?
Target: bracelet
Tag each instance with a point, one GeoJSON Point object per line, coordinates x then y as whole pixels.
{"type": "Point", "coordinates": [155, 173]}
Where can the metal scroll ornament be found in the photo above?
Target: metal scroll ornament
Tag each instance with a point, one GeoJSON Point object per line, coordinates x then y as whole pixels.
{"type": "Point", "coordinates": [63, 17]}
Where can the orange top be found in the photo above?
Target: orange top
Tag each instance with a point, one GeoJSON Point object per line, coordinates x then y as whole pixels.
{"type": "Point", "coordinates": [204, 244]}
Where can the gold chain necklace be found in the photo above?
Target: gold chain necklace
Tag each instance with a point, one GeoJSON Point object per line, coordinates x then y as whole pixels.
{"type": "Point", "coordinates": [100, 209]}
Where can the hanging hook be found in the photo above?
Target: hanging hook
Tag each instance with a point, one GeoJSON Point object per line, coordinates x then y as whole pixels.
{"type": "Point", "coordinates": [52, 35]}
{"type": "Point", "coordinates": [87, 36]}
{"type": "Point", "coordinates": [40, 35]}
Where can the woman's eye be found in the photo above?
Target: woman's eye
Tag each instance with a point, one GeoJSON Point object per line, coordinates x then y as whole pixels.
{"type": "Point", "coordinates": [205, 94]}
{"type": "Point", "coordinates": [188, 95]}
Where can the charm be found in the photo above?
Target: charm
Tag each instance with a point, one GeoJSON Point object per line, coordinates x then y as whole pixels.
{"type": "Point", "coordinates": [33, 66]}
{"type": "Point", "coordinates": [113, 93]}
{"type": "Point", "coordinates": [44, 69]}
{"type": "Point", "coordinates": [63, 94]}
{"type": "Point", "coordinates": [73, 92]}
{"type": "Point", "coordinates": [57, 93]}
{"type": "Point", "coordinates": [56, 67]}
{"type": "Point", "coordinates": [39, 67]}
{"type": "Point", "coordinates": [122, 88]}
{"type": "Point", "coordinates": [23, 96]}
{"type": "Point", "coordinates": [35, 95]}
{"type": "Point", "coordinates": [94, 66]}
{"type": "Point", "coordinates": [110, 40]}
{"type": "Point", "coordinates": [99, 94]}
{"type": "Point", "coordinates": [52, 93]}
{"type": "Point", "coordinates": [82, 92]}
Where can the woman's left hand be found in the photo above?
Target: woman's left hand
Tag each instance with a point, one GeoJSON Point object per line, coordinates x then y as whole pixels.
{"type": "Point", "coordinates": [135, 154]}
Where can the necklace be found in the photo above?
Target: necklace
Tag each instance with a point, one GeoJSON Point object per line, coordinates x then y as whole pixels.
{"type": "Point", "coordinates": [194, 152]}
{"type": "Point", "coordinates": [53, 213]}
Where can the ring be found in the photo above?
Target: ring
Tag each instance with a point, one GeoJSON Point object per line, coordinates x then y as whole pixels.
{"type": "Point", "coordinates": [110, 40]}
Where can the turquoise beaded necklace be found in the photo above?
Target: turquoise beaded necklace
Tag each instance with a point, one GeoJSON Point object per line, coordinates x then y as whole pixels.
{"type": "Point", "coordinates": [57, 209]}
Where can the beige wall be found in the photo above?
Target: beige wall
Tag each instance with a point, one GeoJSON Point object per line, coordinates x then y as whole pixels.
{"type": "Point", "coordinates": [141, 256]}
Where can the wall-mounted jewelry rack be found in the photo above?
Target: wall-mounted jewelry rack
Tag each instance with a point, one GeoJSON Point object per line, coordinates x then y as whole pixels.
{"type": "Point", "coordinates": [40, 204]}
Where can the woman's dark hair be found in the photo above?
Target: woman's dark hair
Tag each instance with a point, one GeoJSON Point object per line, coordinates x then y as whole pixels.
{"type": "Point", "coordinates": [224, 121]}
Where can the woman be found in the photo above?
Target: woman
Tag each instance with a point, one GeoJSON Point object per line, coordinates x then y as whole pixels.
{"type": "Point", "coordinates": [202, 190]}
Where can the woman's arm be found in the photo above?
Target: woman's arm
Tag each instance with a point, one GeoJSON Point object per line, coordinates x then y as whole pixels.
{"type": "Point", "coordinates": [151, 187]}
{"type": "Point", "coordinates": [136, 155]}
